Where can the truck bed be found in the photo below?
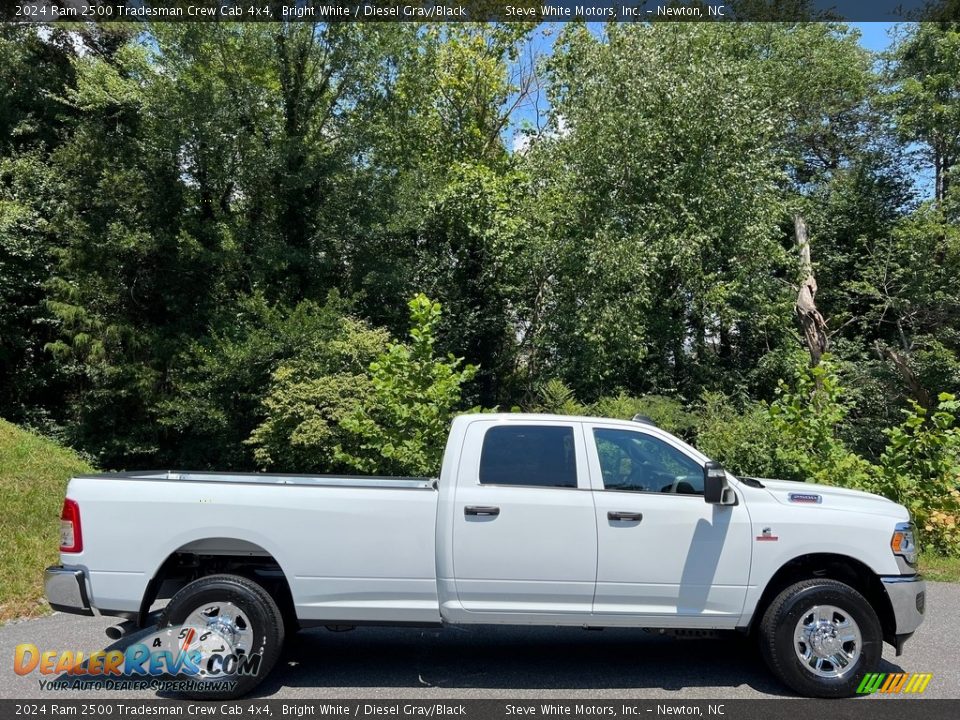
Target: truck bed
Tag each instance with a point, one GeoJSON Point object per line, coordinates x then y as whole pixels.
{"type": "Point", "coordinates": [354, 481]}
{"type": "Point", "coordinates": [352, 548]}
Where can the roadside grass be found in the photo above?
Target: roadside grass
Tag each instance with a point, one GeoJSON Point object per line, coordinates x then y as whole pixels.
{"type": "Point", "coordinates": [33, 476]}
{"type": "Point", "coordinates": [938, 567]}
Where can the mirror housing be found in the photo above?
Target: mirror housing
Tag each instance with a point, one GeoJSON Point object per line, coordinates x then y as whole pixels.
{"type": "Point", "coordinates": [716, 491]}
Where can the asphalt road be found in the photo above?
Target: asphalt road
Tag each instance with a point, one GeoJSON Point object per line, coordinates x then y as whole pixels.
{"type": "Point", "coordinates": [501, 662]}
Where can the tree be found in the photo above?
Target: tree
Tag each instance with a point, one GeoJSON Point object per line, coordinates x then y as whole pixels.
{"type": "Point", "coordinates": [450, 193]}
{"type": "Point", "coordinates": [349, 400]}
{"type": "Point", "coordinates": [905, 284]}
{"type": "Point", "coordinates": [924, 75]}
{"type": "Point", "coordinates": [812, 322]}
{"type": "Point", "coordinates": [209, 232]}
{"type": "Point", "coordinates": [223, 386]}
{"type": "Point", "coordinates": [32, 126]}
{"type": "Point", "coordinates": [661, 221]}
{"type": "Point", "coordinates": [310, 393]}
{"type": "Point", "coordinates": [402, 426]}
{"type": "Point", "coordinates": [208, 165]}
{"type": "Point", "coordinates": [820, 80]}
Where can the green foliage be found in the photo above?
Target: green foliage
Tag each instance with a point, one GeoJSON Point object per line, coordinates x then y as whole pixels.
{"type": "Point", "coordinates": [33, 124]}
{"type": "Point", "coordinates": [401, 427]}
{"type": "Point", "coordinates": [797, 438]}
{"type": "Point", "coordinates": [742, 438]}
{"type": "Point", "coordinates": [662, 224]}
{"type": "Point", "coordinates": [666, 412]}
{"type": "Point", "coordinates": [806, 417]}
{"type": "Point", "coordinates": [33, 477]}
{"type": "Point", "coordinates": [920, 469]}
{"type": "Point", "coordinates": [310, 395]}
{"type": "Point", "coordinates": [911, 301]}
{"type": "Point", "coordinates": [923, 98]}
{"type": "Point", "coordinates": [554, 396]}
{"type": "Point", "coordinates": [473, 236]}
{"type": "Point", "coordinates": [219, 382]}
{"type": "Point", "coordinates": [349, 399]}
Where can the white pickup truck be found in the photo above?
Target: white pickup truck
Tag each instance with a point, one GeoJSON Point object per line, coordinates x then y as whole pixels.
{"type": "Point", "coordinates": [534, 520]}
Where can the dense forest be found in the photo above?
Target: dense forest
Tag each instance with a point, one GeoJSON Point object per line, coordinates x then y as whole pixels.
{"type": "Point", "coordinates": [303, 247]}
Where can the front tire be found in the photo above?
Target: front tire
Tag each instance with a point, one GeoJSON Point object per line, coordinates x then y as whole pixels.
{"type": "Point", "coordinates": [233, 609]}
{"type": "Point", "coordinates": [819, 637]}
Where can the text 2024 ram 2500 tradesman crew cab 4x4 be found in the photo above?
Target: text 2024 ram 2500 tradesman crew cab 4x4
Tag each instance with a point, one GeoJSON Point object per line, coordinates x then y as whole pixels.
{"type": "Point", "coordinates": [534, 520]}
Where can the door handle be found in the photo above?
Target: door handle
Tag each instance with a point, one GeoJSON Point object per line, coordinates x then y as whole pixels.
{"type": "Point", "coordinates": [485, 510]}
{"type": "Point", "coordinates": [625, 516]}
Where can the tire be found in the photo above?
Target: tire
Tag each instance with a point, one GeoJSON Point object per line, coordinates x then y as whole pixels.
{"type": "Point", "coordinates": [257, 626]}
{"type": "Point", "coordinates": [812, 622]}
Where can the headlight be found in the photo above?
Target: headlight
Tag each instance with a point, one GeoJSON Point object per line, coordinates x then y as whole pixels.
{"type": "Point", "coordinates": [903, 544]}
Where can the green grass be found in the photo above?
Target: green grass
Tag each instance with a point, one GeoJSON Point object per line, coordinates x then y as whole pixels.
{"type": "Point", "coordinates": [33, 476]}
{"type": "Point", "coordinates": [944, 569]}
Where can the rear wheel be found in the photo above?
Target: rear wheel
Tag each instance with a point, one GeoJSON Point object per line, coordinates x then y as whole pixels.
{"type": "Point", "coordinates": [234, 628]}
{"type": "Point", "coordinates": [820, 637]}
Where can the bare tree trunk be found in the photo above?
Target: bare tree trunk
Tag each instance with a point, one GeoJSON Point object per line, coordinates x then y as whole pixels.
{"type": "Point", "coordinates": [939, 174]}
{"type": "Point", "coordinates": [902, 363]}
{"type": "Point", "coordinates": [812, 322]}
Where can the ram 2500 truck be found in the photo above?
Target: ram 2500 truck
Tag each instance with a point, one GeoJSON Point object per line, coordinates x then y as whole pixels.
{"type": "Point", "coordinates": [534, 520]}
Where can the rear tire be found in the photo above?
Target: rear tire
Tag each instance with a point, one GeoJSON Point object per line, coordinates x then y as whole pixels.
{"type": "Point", "coordinates": [239, 610]}
{"type": "Point", "coordinates": [819, 637]}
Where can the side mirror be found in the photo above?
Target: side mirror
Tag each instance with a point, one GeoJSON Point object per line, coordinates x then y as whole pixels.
{"type": "Point", "coordinates": [715, 488]}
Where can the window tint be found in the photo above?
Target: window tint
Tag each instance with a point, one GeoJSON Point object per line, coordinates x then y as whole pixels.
{"type": "Point", "coordinates": [529, 455]}
{"type": "Point", "coordinates": [642, 463]}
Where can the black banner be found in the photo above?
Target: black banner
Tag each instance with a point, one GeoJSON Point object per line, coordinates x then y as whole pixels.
{"type": "Point", "coordinates": [353, 709]}
{"type": "Point", "coordinates": [49, 11]}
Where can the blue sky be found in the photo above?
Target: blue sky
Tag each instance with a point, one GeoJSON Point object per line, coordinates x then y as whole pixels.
{"type": "Point", "coordinates": [874, 35]}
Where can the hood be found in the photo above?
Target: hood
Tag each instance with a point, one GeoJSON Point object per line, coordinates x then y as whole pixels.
{"type": "Point", "coordinates": [811, 495]}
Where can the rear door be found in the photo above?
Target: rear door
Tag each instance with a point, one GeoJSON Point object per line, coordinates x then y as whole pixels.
{"type": "Point", "coordinates": [525, 534]}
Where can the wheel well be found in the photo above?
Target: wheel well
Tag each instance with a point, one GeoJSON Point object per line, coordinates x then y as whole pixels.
{"type": "Point", "coordinates": [841, 568]}
{"type": "Point", "coordinates": [214, 556]}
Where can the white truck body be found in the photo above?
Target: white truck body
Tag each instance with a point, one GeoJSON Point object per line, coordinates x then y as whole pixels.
{"type": "Point", "coordinates": [482, 544]}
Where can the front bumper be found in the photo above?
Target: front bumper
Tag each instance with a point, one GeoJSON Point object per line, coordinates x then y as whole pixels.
{"type": "Point", "coordinates": [66, 589]}
{"type": "Point", "coordinates": [908, 598]}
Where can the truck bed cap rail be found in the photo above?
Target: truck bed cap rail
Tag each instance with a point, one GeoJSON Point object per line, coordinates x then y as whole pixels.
{"type": "Point", "coordinates": [360, 481]}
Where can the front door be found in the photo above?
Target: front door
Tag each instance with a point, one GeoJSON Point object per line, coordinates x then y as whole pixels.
{"type": "Point", "coordinates": [524, 535]}
{"type": "Point", "coordinates": [664, 555]}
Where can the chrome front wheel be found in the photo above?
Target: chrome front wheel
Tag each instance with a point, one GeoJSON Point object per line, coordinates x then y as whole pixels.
{"type": "Point", "coordinates": [827, 641]}
{"type": "Point", "coordinates": [820, 636]}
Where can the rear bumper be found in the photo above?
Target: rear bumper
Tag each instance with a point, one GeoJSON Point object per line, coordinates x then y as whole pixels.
{"type": "Point", "coordinates": [908, 598]}
{"type": "Point", "coordinates": [66, 589]}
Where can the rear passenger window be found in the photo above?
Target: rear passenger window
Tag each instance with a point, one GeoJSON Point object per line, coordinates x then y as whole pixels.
{"type": "Point", "coordinates": [532, 455]}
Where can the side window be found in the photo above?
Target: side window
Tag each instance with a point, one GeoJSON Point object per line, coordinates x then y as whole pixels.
{"type": "Point", "coordinates": [642, 463]}
{"type": "Point", "coordinates": [532, 455]}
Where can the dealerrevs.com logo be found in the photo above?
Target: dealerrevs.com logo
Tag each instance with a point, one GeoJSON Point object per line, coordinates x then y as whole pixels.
{"type": "Point", "coordinates": [894, 683]}
{"type": "Point", "coordinates": [179, 658]}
